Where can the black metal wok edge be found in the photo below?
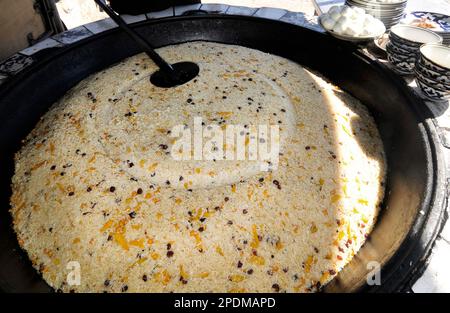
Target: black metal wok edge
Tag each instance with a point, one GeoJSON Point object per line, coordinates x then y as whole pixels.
{"type": "Point", "coordinates": [409, 261]}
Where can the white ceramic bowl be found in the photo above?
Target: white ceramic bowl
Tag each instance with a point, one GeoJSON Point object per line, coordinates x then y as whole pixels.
{"type": "Point", "coordinates": [429, 70]}
{"type": "Point", "coordinates": [437, 54]}
{"type": "Point", "coordinates": [404, 44]}
{"type": "Point", "coordinates": [352, 38]}
{"type": "Point", "coordinates": [414, 36]}
{"type": "Point", "coordinates": [432, 71]}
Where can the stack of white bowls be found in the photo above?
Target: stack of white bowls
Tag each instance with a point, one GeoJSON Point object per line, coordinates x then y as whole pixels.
{"type": "Point", "coordinates": [404, 44]}
{"type": "Point", "coordinates": [432, 71]}
{"type": "Point", "coordinates": [390, 12]}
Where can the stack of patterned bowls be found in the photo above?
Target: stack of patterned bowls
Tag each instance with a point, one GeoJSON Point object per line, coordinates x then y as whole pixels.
{"type": "Point", "coordinates": [390, 12]}
{"type": "Point", "coordinates": [432, 71]}
{"type": "Point", "coordinates": [403, 46]}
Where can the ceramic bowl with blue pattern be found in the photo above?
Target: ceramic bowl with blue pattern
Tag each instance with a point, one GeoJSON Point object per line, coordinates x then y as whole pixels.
{"type": "Point", "coordinates": [430, 81]}
{"type": "Point", "coordinates": [404, 44]}
{"type": "Point", "coordinates": [413, 36]}
{"type": "Point", "coordinates": [401, 64]}
{"type": "Point", "coordinates": [402, 49]}
{"type": "Point", "coordinates": [436, 57]}
{"type": "Point", "coordinates": [431, 92]}
{"type": "Point", "coordinates": [432, 71]}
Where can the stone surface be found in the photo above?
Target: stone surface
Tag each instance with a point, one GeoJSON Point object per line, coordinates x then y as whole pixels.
{"type": "Point", "coordinates": [15, 63]}
{"type": "Point", "coordinates": [436, 276]}
{"type": "Point", "coordinates": [312, 23]}
{"type": "Point", "coordinates": [101, 26]}
{"type": "Point", "coordinates": [296, 18]}
{"type": "Point", "coordinates": [160, 14]}
{"type": "Point", "coordinates": [44, 44]}
{"type": "Point", "coordinates": [133, 18]}
{"type": "Point", "coordinates": [72, 35]}
{"type": "Point", "coordinates": [179, 10]}
{"type": "Point", "coordinates": [214, 8]}
{"type": "Point", "coordinates": [270, 13]}
{"type": "Point", "coordinates": [238, 10]}
{"type": "Point", "coordinates": [305, 6]}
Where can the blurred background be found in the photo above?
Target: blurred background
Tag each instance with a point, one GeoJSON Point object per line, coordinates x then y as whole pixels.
{"type": "Point", "coordinates": [25, 22]}
{"type": "Point", "coordinates": [79, 12]}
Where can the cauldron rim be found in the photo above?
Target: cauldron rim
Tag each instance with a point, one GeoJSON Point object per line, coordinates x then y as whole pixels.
{"type": "Point", "coordinates": [417, 245]}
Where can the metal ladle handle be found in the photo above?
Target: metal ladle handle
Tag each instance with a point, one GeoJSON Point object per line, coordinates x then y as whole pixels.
{"type": "Point", "coordinates": [141, 41]}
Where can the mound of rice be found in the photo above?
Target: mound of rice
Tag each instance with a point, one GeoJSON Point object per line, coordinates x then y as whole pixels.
{"type": "Point", "coordinates": [96, 183]}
